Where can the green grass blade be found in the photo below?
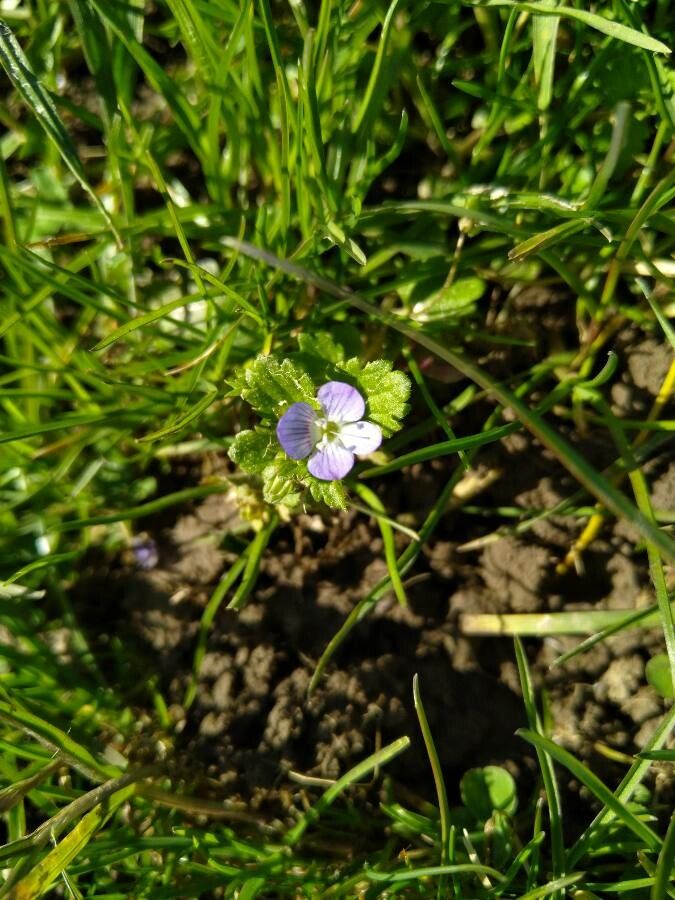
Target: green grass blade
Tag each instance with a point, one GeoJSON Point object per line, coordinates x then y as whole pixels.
{"type": "Point", "coordinates": [373, 97]}
{"type": "Point", "coordinates": [545, 239]}
{"type": "Point", "coordinates": [371, 498]}
{"type": "Point", "coordinates": [144, 509]}
{"type": "Point", "coordinates": [180, 422]}
{"type": "Point", "coordinates": [548, 776]}
{"type": "Point", "coordinates": [544, 37]}
{"type": "Point", "coordinates": [629, 783]}
{"type": "Point", "coordinates": [54, 559]}
{"type": "Point", "coordinates": [254, 554]}
{"type": "Point", "coordinates": [41, 105]}
{"type": "Point", "coordinates": [112, 12]}
{"type": "Point", "coordinates": [437, 770]}
{"type": "Point", "coordinates": [357, 773]}
{"type": "Point", "coordinates": [665, 866]}
{"type": "Point", "coordinates": [209, 614]}
{"type": "Point", "coordinates": [593, 20]}
{"type": "Point", "coordinates": [96, 49]}
{"type": "Point", "coordinates": [68, 815]}
{"type": "Point", "coordinates": [57, 740]}
{"type": "Point", "coordinates": [658, 755]}
{"type": "Point", "coordinates": [45, 873]}
{"type": "Point", "coordinates": [434, 872]}
{"type": "Point", "coordinates": [595, 786]}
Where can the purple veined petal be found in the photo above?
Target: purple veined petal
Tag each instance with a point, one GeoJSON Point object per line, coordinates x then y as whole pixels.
{"type": "Point", "coordinates": [331, 463]}
{"type": "Point", "coordinates": [295, 430]}
{"type": "Point", "coordinates": [341, 402]}
{"type": "Point", "coordinates": [361, 438]}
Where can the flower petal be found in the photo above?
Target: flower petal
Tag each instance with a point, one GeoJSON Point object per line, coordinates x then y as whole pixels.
{"type": "Point", "coordinates": [295, 430]}
{"type": "Point", "coordinates": [331, 462]}
{"type": "Point", "coordinates": [361, 438]}
{"type": "Point", "coordinates": [341, 402]}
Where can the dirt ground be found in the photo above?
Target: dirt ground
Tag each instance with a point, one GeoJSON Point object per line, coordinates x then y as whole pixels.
{"type": "Point", "coordinates": [252, 723]}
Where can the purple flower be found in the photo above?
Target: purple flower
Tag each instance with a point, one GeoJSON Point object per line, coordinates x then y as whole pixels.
{"type": "Point", "coordinates": [332, 437]}
{"type": "Point", "coordinates": [145, 551]}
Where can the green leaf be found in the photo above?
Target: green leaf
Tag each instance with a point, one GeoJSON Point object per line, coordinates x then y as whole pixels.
{"type": "Point", "coordinates": [332, 493]}
{"type": "Point", "coordinates": [659, 677]}
{"type": "Point", "coordinates": [253, 450]}
{"type": "Point", "coordinates": [544, 239]}
{"type": "Point", "coordinates": [455, 300]}
{"type": "Point", "coordinates": [386, 392]}
{"type": "Point", "coordinates": [280, 481]}
{"type": "Point", "coordinates": [488, 790]}
{"type": "Point", "coordinates": [322, 345]}
{"type": "Point", "coordinates": [270, 386]}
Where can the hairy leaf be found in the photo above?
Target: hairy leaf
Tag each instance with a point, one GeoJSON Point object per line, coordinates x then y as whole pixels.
{"type": "Point", "coordinates": [269, 386]}
{"type": "Point", "coordinates": [253, 450]}
{"type": "Point", "coordinates": [386, 392]}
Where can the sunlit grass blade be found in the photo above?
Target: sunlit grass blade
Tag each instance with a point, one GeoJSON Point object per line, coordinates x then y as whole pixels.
{"type": "Point", "coordinates": [45, 873]}
{"type": "Point", "coordinates": [66, 816]}
{"type": "Point", "coordinates": [56, 739]}
{"type": "Point", "coordinates": [548, 776]}
{"type": "Point", "coordinates": [112, 12]}
{"type": "Point", "coordinates": [626, 789]}
{"type": "Point", "coordinates": [441, 792]}
{"type": "Point", "coordinates": [371, 498]}
{"type": "Point", "coordinates": [374, 95]}
{"type": "Point", "coordinates": [593, 20]}
{"type": "Point", "coordinates": [40, 103]}
{"type": "Point", "coordinates": [584, 622]}
{"type": "Point", "coordinates": [595, 786]}
{"type": "Point", "coordinates": [544, 37]}
{"type": "Point", "coordinates": [665, 867]}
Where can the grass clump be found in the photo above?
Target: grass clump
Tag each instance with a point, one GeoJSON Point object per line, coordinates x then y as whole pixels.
{"type": "Point", "coordinates": [206, 205]}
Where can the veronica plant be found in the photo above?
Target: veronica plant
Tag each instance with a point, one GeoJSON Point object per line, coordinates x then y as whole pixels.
{"type": "Point", "coordinates": [307, 439]}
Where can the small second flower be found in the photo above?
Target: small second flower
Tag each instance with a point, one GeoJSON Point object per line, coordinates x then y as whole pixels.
{"type": "Point", "coordinates": [331, 437]}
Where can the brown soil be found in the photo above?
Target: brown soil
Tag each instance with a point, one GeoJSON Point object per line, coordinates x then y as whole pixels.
{"type": "Point", "coordinates": [252, 722]}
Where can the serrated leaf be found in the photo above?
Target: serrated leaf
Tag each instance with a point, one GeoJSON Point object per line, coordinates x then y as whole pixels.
{"type": "Point", "coordinates": [252, 451]}
{"type": "Point", "coordinates": [269, 386]}
{"type": "Point", "coordinates": [332, 493]}
{"type": "Point", "coordinates": [386, 392]}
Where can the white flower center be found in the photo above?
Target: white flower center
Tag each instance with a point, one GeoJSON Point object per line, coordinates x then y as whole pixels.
{"type": "Point", "coordinates": [324, 432]}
